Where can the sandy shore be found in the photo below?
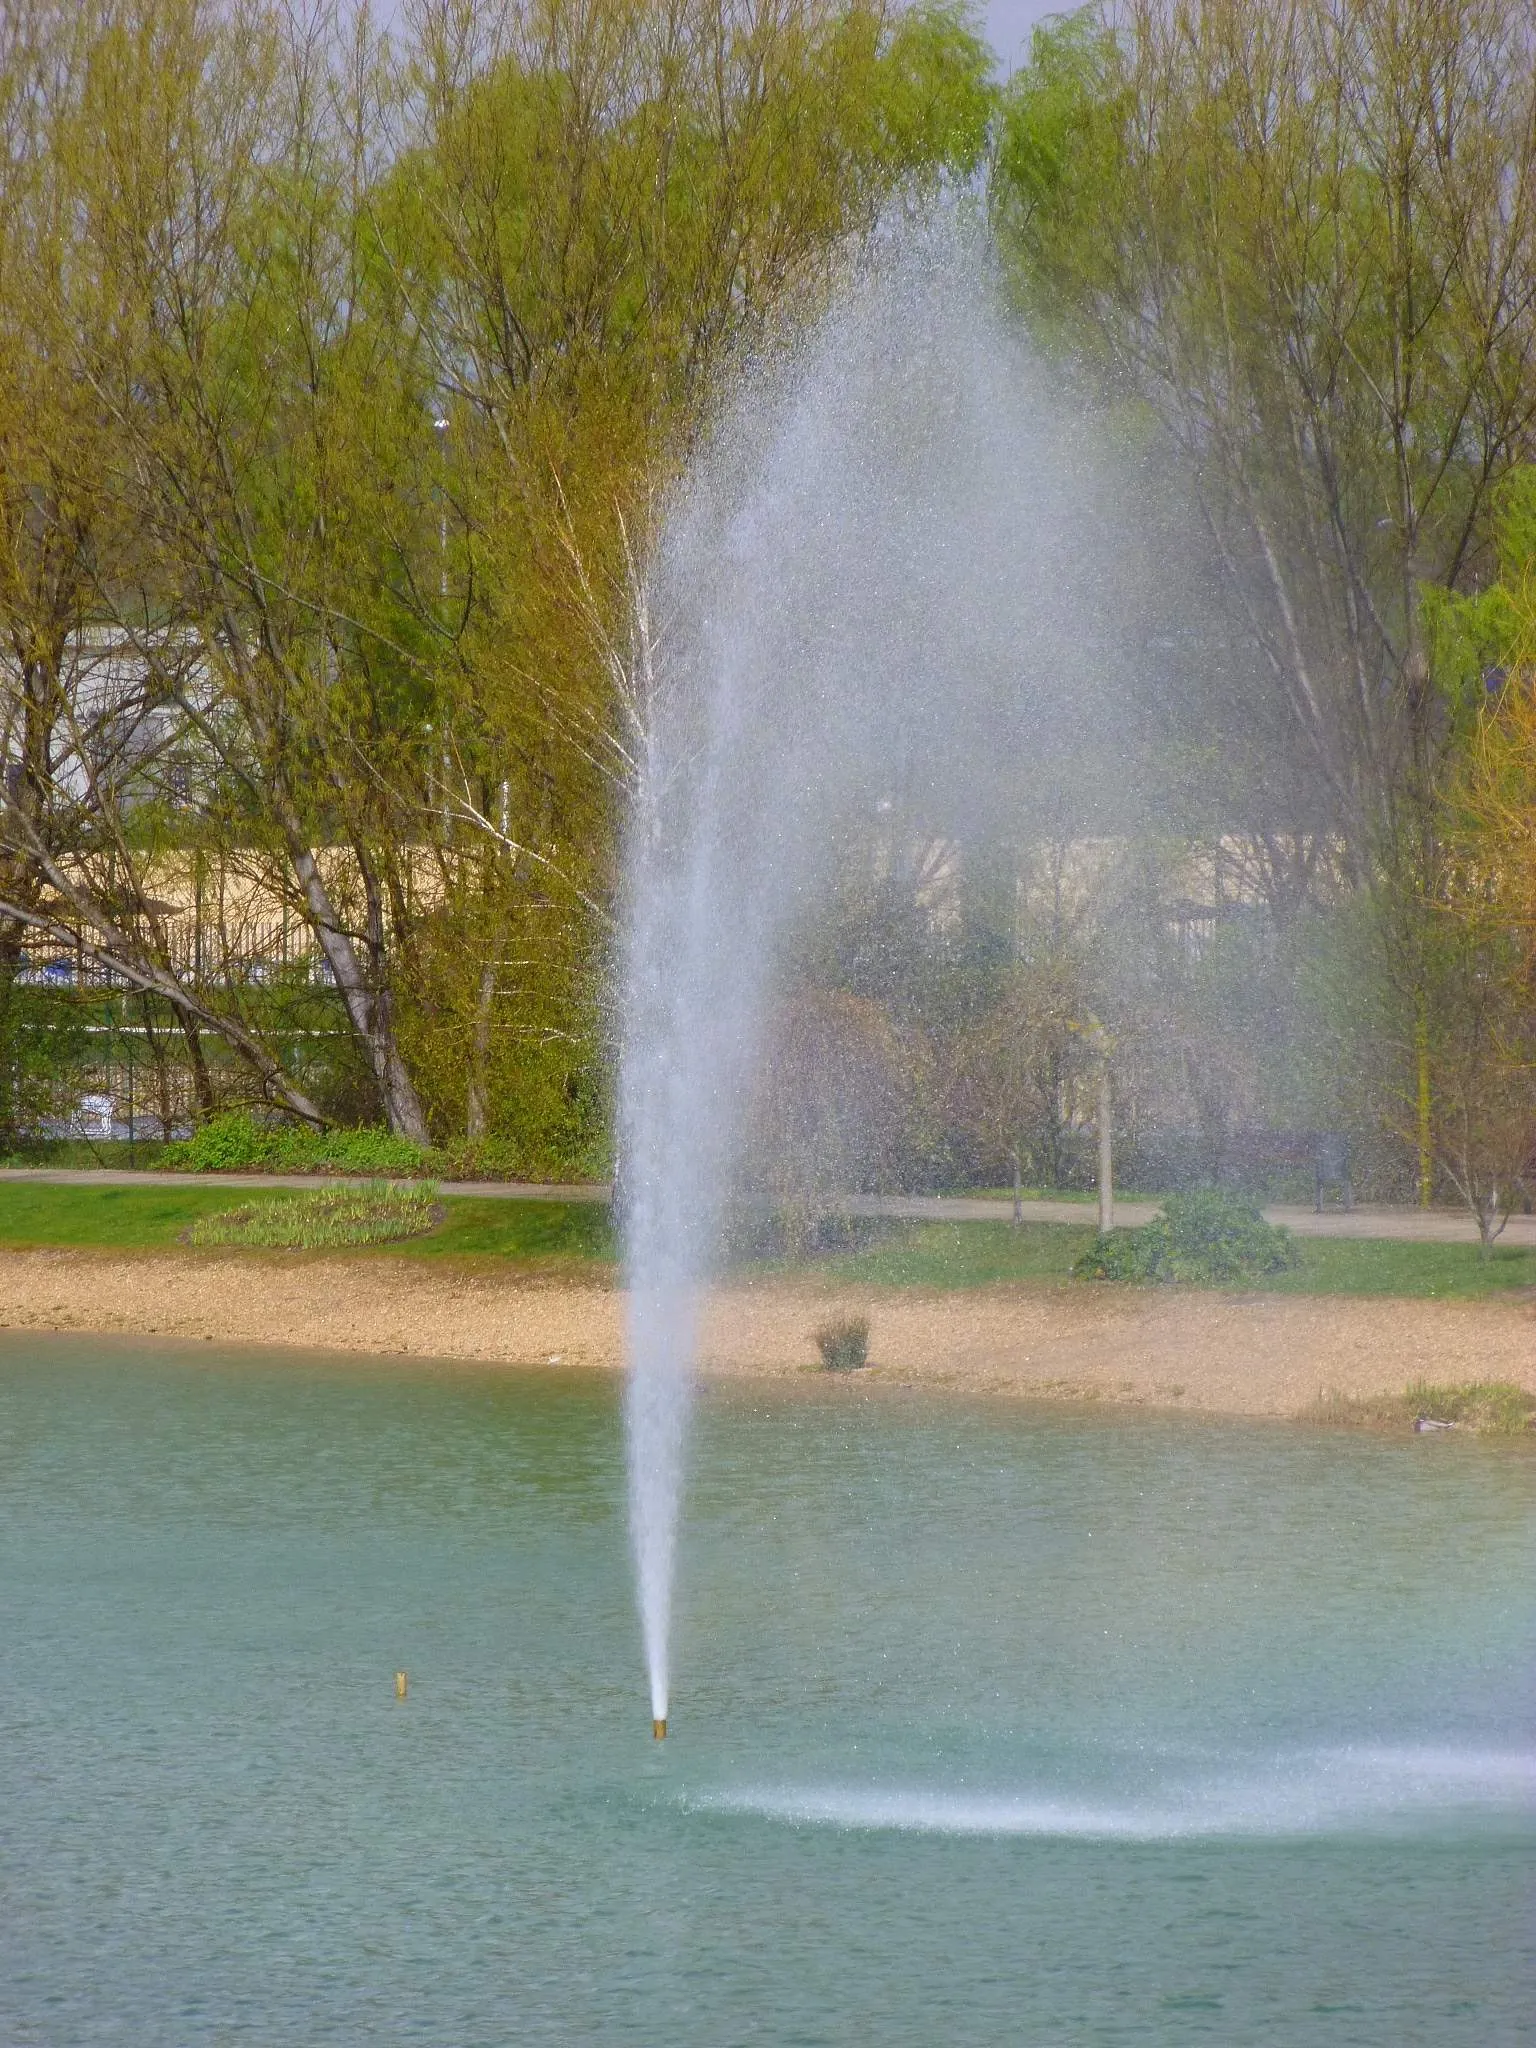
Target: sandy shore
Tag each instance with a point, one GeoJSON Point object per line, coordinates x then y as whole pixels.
{"type": "Point", "coordinates": [1220, 1354]}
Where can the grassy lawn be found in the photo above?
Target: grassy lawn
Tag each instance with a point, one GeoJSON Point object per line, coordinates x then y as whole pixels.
{"type": "Point", "coordinates": [487, 1227]}
{"type": "Point", "coordinates": [129, 1219]}
{"type": "Point", "coordinates": [1379, 1265]}
{"type": "Point", "coordinates": [959, 1255]}
{"type": "Point", "coordinates": [570, 1235]}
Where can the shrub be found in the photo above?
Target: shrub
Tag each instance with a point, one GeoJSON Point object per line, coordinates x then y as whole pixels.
{"type": "Point", "coordinates": [360, 1151]}
{"type": "Point", "coordinates": [377, 1213]}
{"type": "Point", "coordinates": [496, 1158]}
{"type": "Point", "coordinates": [237, 1143]}
{"type": "Point", "coordinates": [1489, 1407]}
{"type": "Point", "coordinates": [844, 1343]}
{"type": "Point", "coordinates": [1207, 1239]}
{"type": "Point", "coordinates": [1482, 1407]}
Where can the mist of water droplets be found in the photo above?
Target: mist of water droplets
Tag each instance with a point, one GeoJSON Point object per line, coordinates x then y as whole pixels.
{"type": "Point", "coordinates": [894, 576]}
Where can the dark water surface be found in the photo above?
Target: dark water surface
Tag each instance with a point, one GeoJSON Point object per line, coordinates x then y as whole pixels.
{"type": "Point", "coordinates": [989, 1726]}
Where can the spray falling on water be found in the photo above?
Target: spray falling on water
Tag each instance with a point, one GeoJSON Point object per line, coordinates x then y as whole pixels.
{"type": "Point", "coordinates": [893, 583]}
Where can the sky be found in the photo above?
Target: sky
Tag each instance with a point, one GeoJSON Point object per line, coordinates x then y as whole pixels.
{"type": "Point", "coordinates": [1010, 21]}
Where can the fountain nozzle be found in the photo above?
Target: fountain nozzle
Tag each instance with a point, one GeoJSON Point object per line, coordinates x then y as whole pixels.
{"type": "Point", "coordinates": [659, 1729]}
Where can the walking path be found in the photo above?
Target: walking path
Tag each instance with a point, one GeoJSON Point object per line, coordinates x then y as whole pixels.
{"type": "Point", "coordinates": [1414, 1226]}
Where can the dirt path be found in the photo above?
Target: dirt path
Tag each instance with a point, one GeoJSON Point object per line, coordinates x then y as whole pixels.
{"type": "Point", "coordinates": [1221, 1354]}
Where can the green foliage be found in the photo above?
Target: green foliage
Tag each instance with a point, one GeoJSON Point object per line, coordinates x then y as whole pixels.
{"type": "Point", "coordinates": [238, 1143]}
{"type": "Point", "coordinates": [1475, 636]}
{"type": "Point", "coordinates": [932, 99]}
{"type": "Point", "coordinates": [839, 1103]}
{"type": "Point", "coordinates": [1203, 1239]}
{"type": "Point", "coordinates": [1217, 206]}
{"type": "Point", "coordinates": [91, 1154]}
{"type": "Point", "coordinates": [843, 1343]}
{"type": "Point", "coordinates": [378, 1213]}
{"type": "Point", "coordinates": [1059, 114]}
{"type": "Point", "coordinates": [1019, 1070]}
{"type": "Point", "coordinates": [44, 1052]}
{"type": "Point", "coordinates": [1060, 157]}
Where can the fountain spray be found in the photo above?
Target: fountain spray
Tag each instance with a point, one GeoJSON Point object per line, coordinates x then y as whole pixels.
{"type": "Point", "coordinates": [886, 575]}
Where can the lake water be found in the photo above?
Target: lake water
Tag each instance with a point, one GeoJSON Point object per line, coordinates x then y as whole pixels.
{"type": "Point", "coordinates": [989, 1726]}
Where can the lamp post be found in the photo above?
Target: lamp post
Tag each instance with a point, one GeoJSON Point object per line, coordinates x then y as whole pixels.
{"type": "Point", "coordinates": [1103, 1046]}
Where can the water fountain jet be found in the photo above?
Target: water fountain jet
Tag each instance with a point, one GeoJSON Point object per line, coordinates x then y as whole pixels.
{"type": "Point", "coordinates": [892, 571]}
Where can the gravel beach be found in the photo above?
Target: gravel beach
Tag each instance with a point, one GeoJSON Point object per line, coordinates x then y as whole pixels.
{"type": "Point", "coordinates": [1205, 1352]}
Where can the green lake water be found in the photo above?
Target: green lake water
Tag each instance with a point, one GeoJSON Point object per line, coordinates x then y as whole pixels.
{"type": "Point", "coordinates": [989, 1726]}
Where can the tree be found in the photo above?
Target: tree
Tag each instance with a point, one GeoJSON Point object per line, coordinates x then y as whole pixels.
{"type": "Point", "coordinates": [82, 730]}
{"type": "Point", "coordinates": [597, 216]}
{"type": "Point", "coordinates": [346, 379]}
{"type": "Point", "coordinates": [1479, 1036]}
{"type": "Point", "coordinates": [1024, 1070]}
{"type": "Point", "coordinates": [1305, 235]}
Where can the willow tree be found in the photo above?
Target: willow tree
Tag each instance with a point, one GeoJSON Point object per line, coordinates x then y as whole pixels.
{"type": "Point", "coordinates": [1480, 1035]}
{"type": "Point", "coordinates": [86, 746]}
{"type": "Point", "coordinates": [266, 421]}
{"type": "Point", "coordinates": [597, 213]}
{"type": "Point", "coordinates": [1305, 236]}
{"type": "Point", "coordinates": [386, 353]}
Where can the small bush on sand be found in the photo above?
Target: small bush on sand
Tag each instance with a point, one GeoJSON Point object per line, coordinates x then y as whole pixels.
{"type": "Point", "coordinates": [379, 1212]}
{"type": "Point", "coordinates": [1482, 1407]}
{"type": "Point", "coordinates": [844, 1343]}
{"type": "Point", "coordinates": [1200, 1239]}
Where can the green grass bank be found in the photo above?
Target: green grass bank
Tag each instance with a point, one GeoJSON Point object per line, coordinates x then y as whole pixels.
{"type": "Point", "coordinates": [37, 1214]}
{"type": "Point", "coordinates": [939, 1257]}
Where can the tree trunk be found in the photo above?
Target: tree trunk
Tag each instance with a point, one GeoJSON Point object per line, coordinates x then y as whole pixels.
{"type": "Point", "coordinates": [368, 1007]}
{"type": "Point", "coordinates": [202, 1080]}
{"type": "Point", "coordinates": [477, 1109]}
